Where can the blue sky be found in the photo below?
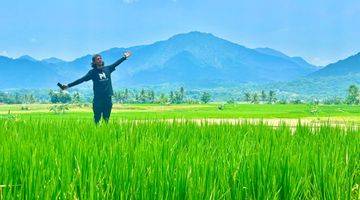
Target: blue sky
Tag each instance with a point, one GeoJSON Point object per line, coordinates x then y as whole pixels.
{"type": "Point", "coordinates": [321, 31]}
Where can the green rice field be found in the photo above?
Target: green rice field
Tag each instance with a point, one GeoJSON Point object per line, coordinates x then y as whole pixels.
{"type": "Point", "coordinates": [141, 155]}
{"type": "Point", "coordinates": [197, 111]}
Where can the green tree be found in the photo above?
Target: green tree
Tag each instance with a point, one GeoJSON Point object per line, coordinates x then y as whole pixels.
{"type": "Point", "coordinates": [230, 101]}
{"type": "Point", "coordinates": [122, 96]}
{"type": "Point", "coordinates": [205, 97]}
{"type": "Point", "coordinates": [3, 97]}
{"type": "Point", "coordinates": [29, 98]}
{"type": "Point", "coordinates": [181, 94]}
{"type": "Point", "coordinates": [141, 97]}
{"type": "Point", "coordinates": [18, 98]}
{"type": "Point", "coordinates": [126, 96]}
{"type": "Point", "coordinates": [353, 95]}
{"type": "Point", "coordinates": [177, 96]}
{"type": "Point", "coordinates": [263, 96]}
{"type": "Point", "coordinates": [272, 97]}
{"type": "Point", "coordinates": [247, 96]}
{"type": "Point", "coordinates": [163, 99]}
{"type": "Point", "coordinates": [59, 97]}
{"type": "Point", "coordinates": [76, 98]}
{"type": "Point", "coordinates": [172, 97]}
{"type": "Point", "coordinates": [334, 100]}
{"type": "Point", "coordinates": [255, 98]}
{"type": "Point", "coordinates": [151, 96]}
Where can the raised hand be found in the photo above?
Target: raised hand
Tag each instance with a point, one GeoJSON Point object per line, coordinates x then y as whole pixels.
{"type": "Point", "coordinates": [127, 54]}
{"type": "Point", "coordinates": [62, 87]}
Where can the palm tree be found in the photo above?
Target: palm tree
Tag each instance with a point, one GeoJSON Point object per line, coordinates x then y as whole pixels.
{"type": "Point", "coordinates": [272, 97]}
{"type": "Point", "coordinates": [247, 96]}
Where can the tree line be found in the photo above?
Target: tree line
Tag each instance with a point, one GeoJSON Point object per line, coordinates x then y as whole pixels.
{"type": "Point", "coordinates": [178, 96]}
{"type": "Point", "coordinates": [265, 97]}
{"type": "Point", "coordinates": [143, 96]}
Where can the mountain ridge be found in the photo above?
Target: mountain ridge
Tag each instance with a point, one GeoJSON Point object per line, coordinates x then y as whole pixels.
{"type": "Point", "coordinates": [226, 63]}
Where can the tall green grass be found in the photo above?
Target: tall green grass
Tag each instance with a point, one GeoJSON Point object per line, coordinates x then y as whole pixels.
{"type": "Point", "coordinates": [74, 159]}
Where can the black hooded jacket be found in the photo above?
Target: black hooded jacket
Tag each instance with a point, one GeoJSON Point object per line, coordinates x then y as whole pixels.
{"type": "Point", "coordinates": [101, 78]}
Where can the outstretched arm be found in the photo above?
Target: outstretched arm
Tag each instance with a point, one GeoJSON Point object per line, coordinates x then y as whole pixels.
{"type": "Point", "coordinates": [87, 77]}
{"type": "Point", "coordinates": [118, 62]}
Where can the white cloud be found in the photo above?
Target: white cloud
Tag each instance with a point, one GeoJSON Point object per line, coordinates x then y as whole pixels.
{"type": "Point", "coordinates": [4, 53]}
{"type": "Point", "coordinates": [129, 1]}
{"type": "Point", "coordinates": [320, 61]}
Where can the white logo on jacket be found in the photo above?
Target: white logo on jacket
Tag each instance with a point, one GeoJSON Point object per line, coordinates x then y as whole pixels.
{"type": "Point", "coordinates": [102, 76]}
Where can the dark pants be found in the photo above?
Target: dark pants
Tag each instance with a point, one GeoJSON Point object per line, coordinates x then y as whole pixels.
{"type": "Point", "coordinates": [102, 106]}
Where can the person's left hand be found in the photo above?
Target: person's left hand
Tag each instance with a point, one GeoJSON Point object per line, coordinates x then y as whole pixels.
{"type": "Point", "coordinates": [127, 54]}
{"type": "Point", "coordinates": [62, 87]}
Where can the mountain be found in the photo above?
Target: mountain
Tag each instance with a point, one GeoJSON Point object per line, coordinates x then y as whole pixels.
{"type": "Point", "coordinates": [234, 63]}
{"type": "Point", "coordinates": [27, 57]}
{"type": "Point", "coordinates": [24, 73]}
{"type": "Point", "coordinates": [298, 60]}
{"type": "Point", "coordinates": [192, 59]}
{"type": "Point", "coordinates": [53, 60]}
{"type": "Point", "coordinates": [344, 67]}
{"type": "Point", "coordinates": [332, 80]}
{"type": "Point", "coordinates": [272, 52]}
{"type": "Point", "coordinates": [192, 71]}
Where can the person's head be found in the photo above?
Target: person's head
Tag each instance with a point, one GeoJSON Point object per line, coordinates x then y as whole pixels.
{"type": "Point", "coordinates": [97, 61]}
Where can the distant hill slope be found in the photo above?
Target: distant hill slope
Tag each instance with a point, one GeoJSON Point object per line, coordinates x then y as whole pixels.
{"type": "Point", "coordinates": [53, 60]}
{"type": "Point", "coordinates": [350, 65]}
{"type": "Point", "coordinates": [298, 60]}
{"type": "Point", "coordinates": [23, 73]}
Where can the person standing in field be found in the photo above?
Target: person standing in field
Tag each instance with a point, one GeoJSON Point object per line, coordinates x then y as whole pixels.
{"type": "Point", "coordinates": [102, 86]}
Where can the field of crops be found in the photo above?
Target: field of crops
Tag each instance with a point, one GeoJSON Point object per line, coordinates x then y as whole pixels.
{"type": "Point", "coordinates": [65, 156]}
{"type": "Point", "coordinates": [73, 159]}
{"type": "Point", "coordinates": [197, 111]}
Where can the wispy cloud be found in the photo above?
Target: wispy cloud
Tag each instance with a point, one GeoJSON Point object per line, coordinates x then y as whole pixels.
{"type": "Point", "coordinates": [320, 61]}
{"type": "Point", "coordinates": [4, 53]}
{"type": "Point", "coordinates": [130, 1]}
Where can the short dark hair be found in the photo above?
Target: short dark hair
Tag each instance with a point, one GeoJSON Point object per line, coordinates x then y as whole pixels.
{"type": "Point", "coordinates": [93, 65]}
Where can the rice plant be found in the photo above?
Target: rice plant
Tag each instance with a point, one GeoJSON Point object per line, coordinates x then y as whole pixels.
{"type": "Point", "coordinates": [74, 159]}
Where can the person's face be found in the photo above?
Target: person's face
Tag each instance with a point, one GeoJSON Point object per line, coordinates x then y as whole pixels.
{"type": "Point", "coordinates": [98, 61]}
